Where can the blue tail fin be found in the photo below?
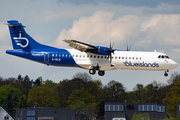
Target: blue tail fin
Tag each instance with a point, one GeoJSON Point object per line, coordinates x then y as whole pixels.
{"type": "Point", "coordinates": [20, 39]}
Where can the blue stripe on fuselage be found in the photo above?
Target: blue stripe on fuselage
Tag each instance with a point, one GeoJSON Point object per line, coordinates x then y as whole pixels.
{"type": "Point", "coordinates": [50, 56]}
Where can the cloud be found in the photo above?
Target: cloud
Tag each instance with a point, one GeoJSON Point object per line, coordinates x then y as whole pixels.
{"type": "Point", "coordinates": [156, 30]}
{"type": "Point", "coordinates": [163, 8]}
{"type": "Point", "coordinates": [138, 3]}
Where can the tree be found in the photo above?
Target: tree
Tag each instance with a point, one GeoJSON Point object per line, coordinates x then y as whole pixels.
{"type": "Point", "coordinates": [172, 98]}
{"type": "Point", "coordinates": [137, 94]}
{"type": "Point", "coordinates": [174, 77]}
{"type": "Point", "coordinates": [38, 81]}
{"type": "Point", "coordinates": [64, 89]}
{"type": "Point", "coordinates": [22, 102]}
{"type": "Point", "coordinates": [12, 100]}
{"type": "Point", "coordinates": [150, 93]}
{"type": "Point", "coordinates": [90, 112]}
{"type": "Point", "coordinates": [43, 96]}
{"type": "Point", "coordinates": [79, 105]}
{"type": "Point", "coordinates": [20, 79]}
{"type": "Point", "coordinates": [4, 91]}
{"type": "Point", "coordinates": [27, 84]}
{"type": "Point", "coordinates": [114, 92]}
{"type": "Point", "coordinates": [100, 109]}
{"type": "Point", "coordinates": [144, 116]}
{"type": "Point", "coordinates": [80, 95]}
{"type": "Point", "coordinates": [83, 76]}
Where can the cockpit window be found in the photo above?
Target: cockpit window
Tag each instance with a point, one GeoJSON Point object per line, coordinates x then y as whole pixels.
{"type": "Point", "coordinates": [163, 56]}
{"type": "Point", "coordinates": [167, 57]}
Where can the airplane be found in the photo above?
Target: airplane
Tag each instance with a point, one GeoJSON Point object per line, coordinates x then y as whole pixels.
{"type": "Point", "coordinates": [83, 55]}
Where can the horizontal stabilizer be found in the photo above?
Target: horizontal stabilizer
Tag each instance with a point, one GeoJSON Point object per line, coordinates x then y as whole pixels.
{"type": "Point", "coordinates": [14, 23]}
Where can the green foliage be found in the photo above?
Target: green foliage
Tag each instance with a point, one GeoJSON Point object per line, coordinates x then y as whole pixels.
{"type": "Point", "coordinates": [22, 102]}
{"type": "Point", "coordinates": [144, 94]}
{"type": "Point", "coordinates": [38, 81]}
{"type": "Point", "coordinates": [90, 112]}
{"type": "Point", "coordinates": [64, 89]}
{"type": "Point", "coordinates": [4, 91]}
{"type": "Point", "coordinates": [12, 100]}
{"type": "Point", "coordinates": [173, 118]}
{"type": "Point", "coordinates": [44, 96]}
{"type": "Point", "coordinates": [79, 105]}
{"type": "Point", "coordinates": [144, 116]}
{"type": "Point", "coordinates": [80, 95]}
{"type": "Point", "coordinates": [114, 92]}
{"type": "Point", "coordinates": [172, 97]}
{"type": "Point", "coordinates": [82, 92]}
{"type": "Point", "coordinates": [100, 109]}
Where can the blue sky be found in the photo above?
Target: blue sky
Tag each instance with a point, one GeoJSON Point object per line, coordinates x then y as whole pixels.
{"type": "Point", "coordinates": [147, 25]}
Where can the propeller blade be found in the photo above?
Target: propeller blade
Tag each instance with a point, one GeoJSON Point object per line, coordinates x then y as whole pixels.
{"type": "Point", "coordinates": [110, 51]}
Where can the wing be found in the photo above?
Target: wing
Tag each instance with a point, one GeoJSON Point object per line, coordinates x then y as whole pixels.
{"type": "Point", "coordinates": [83, 47]}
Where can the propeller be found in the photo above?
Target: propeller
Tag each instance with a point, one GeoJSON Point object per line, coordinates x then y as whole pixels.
{"type": "Point", "coordinates": [128, 48]}
{"type": "Point", "coordinates": [110, 51]}
{"type": "Point", "coordinates": [99, 49]}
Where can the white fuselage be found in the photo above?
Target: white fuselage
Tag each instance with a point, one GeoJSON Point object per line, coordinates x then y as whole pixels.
{"type": "Point", "coordinates": [124, 60]}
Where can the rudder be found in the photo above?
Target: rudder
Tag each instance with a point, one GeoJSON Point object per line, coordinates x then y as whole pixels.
{"type": "Point", "coordinates": [20, 39]}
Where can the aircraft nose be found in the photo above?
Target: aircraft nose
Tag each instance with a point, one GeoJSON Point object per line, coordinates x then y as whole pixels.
{"type": "Point", "coordinates": [173, 64]}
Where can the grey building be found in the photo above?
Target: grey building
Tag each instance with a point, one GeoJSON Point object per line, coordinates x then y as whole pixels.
{"type": "Point", "coordinates": [47, 114]}
{"type": "Point", "coordinates": [5, 115]}
{"type": "Point", "coordinates": [178, 109]}
{"type": "Point", "coordinates": [125, 111]}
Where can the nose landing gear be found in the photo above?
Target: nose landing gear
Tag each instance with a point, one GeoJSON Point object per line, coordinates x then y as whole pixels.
{"type": "Point", "coordinates": [165, 73]}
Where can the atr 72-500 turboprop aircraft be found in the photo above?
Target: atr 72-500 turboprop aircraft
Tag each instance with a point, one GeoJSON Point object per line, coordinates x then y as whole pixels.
{"type": "Point", "coordinates": [93, 58]}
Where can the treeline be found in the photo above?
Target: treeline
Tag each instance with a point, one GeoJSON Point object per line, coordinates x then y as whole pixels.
{"type": "Point", "coordinates": [82, 92]}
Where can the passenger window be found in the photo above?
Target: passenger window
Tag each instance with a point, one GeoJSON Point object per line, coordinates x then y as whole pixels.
{"type": "Point", "coordinates": [91, 56]}
{"type": "Point", "coordinates": [104, 56]}
{"type": "Point", "coordinates": [133, 58]}
{"type": "Point", "coordinates": [69, 55]}
{"type": "Point", "coordinates": [94, 56]}
{"type": "Point", "coordinates": [122, 57]}
{"type": "Point", "coordinates": [162, 56]}
{"type": "Point", "coordinates": [79, 55]}
{"type": "Point", "coordinates": [140, 58]}
{"type": "Point", "coordinates": [66, 55]}
{"type": "Point", "coordinates": [115, 57]}
{"type": "Point", "coordinates": [97, 56]}
{"type": "Point", "coordinates": [119, 57]}
{"type": "Point", "coordinates": [59, 55]}
{"type": "Point", "coordinates": [159, 56]}
{"type": "Point", "coordinates": [129, 57]}
{"type": "Point", "coordinates": [83, 55]}
{"type": "Point", "coordinates": [87, 55]}
{"type": "Point", "coordinates": [126, 57]}
{"type": "Point", "coordinates": [73, 55]}
{"type": "Point", "coordinates": [101, 56]}
{"type": "Point", "coordinates": [52, 55]}
{"type": "Point", "coordinates": [137, 58]}
{"type": "Point", "coordinates": [62, 55]}
{"type": "Point", "coordinates": [76, 55]}
{"type": "Point", "coordinates": [56, 55]}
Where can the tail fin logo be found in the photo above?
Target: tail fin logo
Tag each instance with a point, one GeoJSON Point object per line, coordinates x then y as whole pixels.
{"type": "Point", "coordinates": [20, 39]}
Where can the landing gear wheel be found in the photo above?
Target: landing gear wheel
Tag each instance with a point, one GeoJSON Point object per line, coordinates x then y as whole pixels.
{"type": "Point", "coordinates": [165, 74]}
{"type": "Point", "coordinates": [101, 73]}
{"type": "Point", "coordinates": [92, 71]}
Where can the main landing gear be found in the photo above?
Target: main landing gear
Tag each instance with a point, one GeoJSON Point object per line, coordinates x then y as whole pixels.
{"type": "Point", "coordinates": [165, 73]}
{"type": "Point", "coordinates": [92, 71]}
